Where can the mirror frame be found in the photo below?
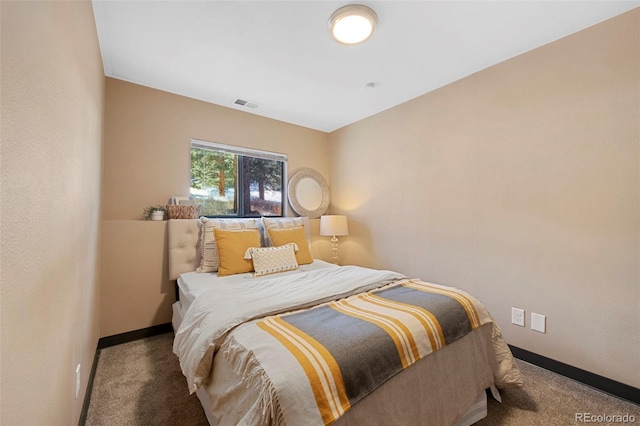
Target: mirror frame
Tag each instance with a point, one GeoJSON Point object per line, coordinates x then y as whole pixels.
{"type": "Point", "coordinates": [292, 187]}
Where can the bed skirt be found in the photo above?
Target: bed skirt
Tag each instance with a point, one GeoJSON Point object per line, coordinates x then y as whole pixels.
{"type": "Point", "coordinates": [474, 413]}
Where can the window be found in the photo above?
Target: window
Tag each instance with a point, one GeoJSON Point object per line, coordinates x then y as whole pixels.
{"type": "Point", "coordinates": [239, 182]}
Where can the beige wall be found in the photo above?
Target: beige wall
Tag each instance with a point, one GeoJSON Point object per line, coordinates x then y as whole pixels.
{"type": "Point", "coordinates": [52, 119]}
{"type": "Point", "coordinates": [520, 184]}
{"type": "Point", "coordinates": [146, 161]}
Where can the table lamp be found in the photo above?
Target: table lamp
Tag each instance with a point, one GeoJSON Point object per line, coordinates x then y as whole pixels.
{"type": "Point", "coordinates": [334, 226]}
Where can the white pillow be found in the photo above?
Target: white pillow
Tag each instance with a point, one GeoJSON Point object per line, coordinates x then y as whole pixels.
{"type": "Point", "coordinates": [210, 261]}
{"type": "Point", "coordinates": [270, 260]}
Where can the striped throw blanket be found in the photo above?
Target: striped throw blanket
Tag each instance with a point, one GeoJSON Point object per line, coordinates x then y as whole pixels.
{"type": "Point", "coordinates": [325, 359]}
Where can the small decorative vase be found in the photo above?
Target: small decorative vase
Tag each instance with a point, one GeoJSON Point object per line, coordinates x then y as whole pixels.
{"type": "Point", "coordinates": [157, 215]}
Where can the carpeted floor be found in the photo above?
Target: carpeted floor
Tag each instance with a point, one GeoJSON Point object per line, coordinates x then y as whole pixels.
{"type": "Point", "coordinates": [140, 383]}
{"type": "Point", "coordinates": [550, 399]}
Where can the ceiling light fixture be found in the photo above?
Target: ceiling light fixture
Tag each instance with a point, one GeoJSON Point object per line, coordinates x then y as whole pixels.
{"type": "Point", "coordinates": [352, 24]}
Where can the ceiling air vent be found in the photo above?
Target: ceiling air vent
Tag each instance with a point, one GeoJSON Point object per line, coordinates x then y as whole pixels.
{"type": "Point", "coordinates": [245, 103]}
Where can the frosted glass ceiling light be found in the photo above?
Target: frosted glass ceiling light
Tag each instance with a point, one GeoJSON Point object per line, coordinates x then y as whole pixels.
{"type": "Point", "coordinates": [352, 24]}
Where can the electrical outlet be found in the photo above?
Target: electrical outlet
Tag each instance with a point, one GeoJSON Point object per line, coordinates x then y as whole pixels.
{"type": "Point", "coordinates": [517, 316]}
{"type": "Point", "coordinates": [538, 322]}
{"type": "Point", "coordinates": [77, 381]}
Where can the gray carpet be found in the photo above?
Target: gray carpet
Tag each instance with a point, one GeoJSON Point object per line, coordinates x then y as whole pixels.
{"type": "Point", "coordinates": [140, 383]}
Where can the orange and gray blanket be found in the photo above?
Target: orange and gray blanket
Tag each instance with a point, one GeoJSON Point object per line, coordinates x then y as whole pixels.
{"type": "Point", "coordinates": [312, 365]}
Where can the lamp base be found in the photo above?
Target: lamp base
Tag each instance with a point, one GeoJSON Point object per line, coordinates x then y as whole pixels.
{"type": "Point", "coordinates": [334, 249]}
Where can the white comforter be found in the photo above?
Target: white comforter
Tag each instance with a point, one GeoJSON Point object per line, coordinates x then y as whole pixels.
{"type": "Point", "coordinates": [227, 305]}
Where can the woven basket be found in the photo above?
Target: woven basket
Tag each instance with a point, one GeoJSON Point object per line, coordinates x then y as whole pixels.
{"type": "Point", "coordinates": [183, 212]}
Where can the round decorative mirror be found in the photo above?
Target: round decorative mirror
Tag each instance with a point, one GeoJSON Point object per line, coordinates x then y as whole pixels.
{"type": "Point", "coordinates": [308, 193]}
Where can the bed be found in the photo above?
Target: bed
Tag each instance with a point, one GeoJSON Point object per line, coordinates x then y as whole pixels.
{"type": "Point", "coordinates": [267, 334]}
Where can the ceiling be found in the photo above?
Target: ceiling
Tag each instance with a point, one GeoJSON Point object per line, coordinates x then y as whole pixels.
{"type": "Point", "coordinates": [278, 55]}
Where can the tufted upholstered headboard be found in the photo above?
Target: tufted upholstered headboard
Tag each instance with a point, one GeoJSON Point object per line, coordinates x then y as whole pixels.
{"type": "Point", "coordinates": [184, 246]}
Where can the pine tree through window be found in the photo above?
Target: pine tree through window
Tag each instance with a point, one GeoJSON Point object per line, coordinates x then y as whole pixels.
{"type": "Point", "coordinates": [228, 181]}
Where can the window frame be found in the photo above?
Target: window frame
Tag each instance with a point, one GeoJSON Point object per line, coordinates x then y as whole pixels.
{"type": "Point", "coordinates": [242, 152]}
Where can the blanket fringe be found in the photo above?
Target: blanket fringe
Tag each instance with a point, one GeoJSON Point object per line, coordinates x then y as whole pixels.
{"type": "Point", "coordinates": [245, 365]}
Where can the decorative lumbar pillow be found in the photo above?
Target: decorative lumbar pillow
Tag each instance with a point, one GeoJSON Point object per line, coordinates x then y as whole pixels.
{"type": "Point", "coordinates": [270, 260]}
{"type": "Point", "coordinates": [232, 246]}
{"type": "Point", "coordinates": [280, 237]}
{"type": "Point", "coordinates": [208, 246]}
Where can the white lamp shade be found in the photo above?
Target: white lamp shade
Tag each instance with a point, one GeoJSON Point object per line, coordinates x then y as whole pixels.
{"type": "Point", "coordinates": [334, 225]}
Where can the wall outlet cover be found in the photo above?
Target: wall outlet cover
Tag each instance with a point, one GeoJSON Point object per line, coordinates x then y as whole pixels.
{"type": "Point", "coordinates": [517, 316]}
{"type": "Point", "coordinates": [538, 322]}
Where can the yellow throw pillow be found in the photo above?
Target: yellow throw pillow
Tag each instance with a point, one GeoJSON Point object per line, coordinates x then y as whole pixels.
{"type": "Point", "coordinates": [279, 223]}
{"type": "Point", "coordinates": [231, 248]}
{"type": "Point", "coordinates": [208, 247]}
{"type": "Point", "coordinates": [280, 237]}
